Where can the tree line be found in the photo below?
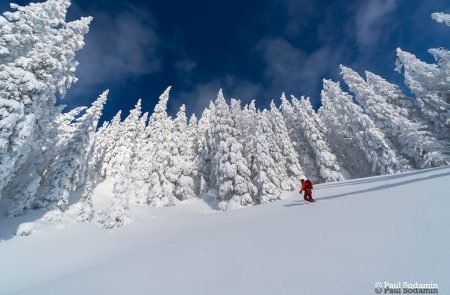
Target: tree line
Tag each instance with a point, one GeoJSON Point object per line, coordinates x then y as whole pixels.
{"type": "Point", "coordinates": [237, 155]}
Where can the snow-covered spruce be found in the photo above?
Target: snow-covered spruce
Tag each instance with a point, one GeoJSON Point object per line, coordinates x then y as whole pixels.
{"type": "Point", "coordinates": [37, 63]}
{"type": "Point", "coordinates": [361, 146]}
{"type": "Point", "coordinates": [117, 213]}
{"type": "Point", "coordinates": [408, 137]}
{"type": "Point", "coordinates": [313, 132]}
{"type": "Point", "coordinates": [302, 147]}
{"type": "Point", "coordinates": [429, 83]}
{"type": "Point", "coordinates": [230, 168]}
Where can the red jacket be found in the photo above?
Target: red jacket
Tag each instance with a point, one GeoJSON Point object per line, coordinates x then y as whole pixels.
{"type": "Point", "coordinates": [307, 185]}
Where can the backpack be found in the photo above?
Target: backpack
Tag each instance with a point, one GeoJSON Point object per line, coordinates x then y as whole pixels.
{"type": "Point", "coordinates": [309, 184]}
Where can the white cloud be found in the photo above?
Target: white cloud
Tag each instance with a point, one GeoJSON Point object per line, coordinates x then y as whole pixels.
{"type": "Point", "coordinates": [371, 20]}
{"type": "Point", "coordinates": [293, 70]}
{"type": "Point", "coordinates": [118, 46]}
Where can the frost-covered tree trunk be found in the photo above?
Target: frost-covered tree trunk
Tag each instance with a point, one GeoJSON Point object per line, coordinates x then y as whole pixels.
{"type": "Point", "coordinates": [408, 137]}
{"type": "Point", "coordinates": [232, 174]}
{"type": "Point", "coordinates": [356, 140]}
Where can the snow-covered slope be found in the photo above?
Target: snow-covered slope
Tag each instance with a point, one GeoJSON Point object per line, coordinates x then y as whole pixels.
{"type": "Point", "coordinates": [387, 228]}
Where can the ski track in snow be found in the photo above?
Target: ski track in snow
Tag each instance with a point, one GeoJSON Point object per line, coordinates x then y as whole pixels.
{"type": "Point", "coordinates": [387, 228]}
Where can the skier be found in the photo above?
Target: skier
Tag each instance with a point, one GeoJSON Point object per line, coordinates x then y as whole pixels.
{"type": "Point", "coordinates": [307, 187]}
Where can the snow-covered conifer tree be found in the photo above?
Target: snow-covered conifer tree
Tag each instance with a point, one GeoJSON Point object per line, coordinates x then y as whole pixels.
{"type": "Point", "coordinates": [325, 161]}
{"type": "Point", "coordinates": [37, 62]}
{"type": "Point", "coordinates": [180, 170]}
{"type": "Point", "coordinates": [230, 167]}
{"type": "Point", "coordinates": [429, 83]}
{"type": "Point", "coordinates": [107, 144]}
{"type": "Point", "coordinates": [159, 190]}
{"type": "Point", "coordinates": [408, 138]}
{"type": "Point", "coordinates": [302, 147]}
{"type": "Point", "coordinates": [284, 152]}
{"type": "Point", "coordinates": [203, 149]}
{"type": "Point", "coordinates": [265, 175]}
{"type": "Point", "coordinates": [75, 147]}
{"type": "Point", "coordinates": [359, 145]}
{"type": "Point", "coordinates": [117, 214]}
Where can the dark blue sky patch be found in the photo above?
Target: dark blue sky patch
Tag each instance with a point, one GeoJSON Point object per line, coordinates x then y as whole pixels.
{"type": "Point", "coordinates": [252, 49]}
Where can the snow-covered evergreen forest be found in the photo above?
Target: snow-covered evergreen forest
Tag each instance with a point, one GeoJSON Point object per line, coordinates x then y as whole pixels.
{"type": "Point", "coordinates": [235, 154]}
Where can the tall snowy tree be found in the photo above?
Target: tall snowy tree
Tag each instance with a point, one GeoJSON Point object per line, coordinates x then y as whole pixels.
{"type": "Point", "coordinates": [232, 176]}
{"type": "Point", "coordinates": [265, 175]}
{"type": "Point", "coordinates": [303, 149]}
{"type": "Point", "coordinates": [283, 151]}
{"type": "Point", "coordinates": [37, 62]}
{"type": "Point", "coordinates": [429, 83]}
{"type": "Point", "coordinates": [156, 186]}
{"type": "Point", "coordinates": [203, 148]}
{"type": "Point", "coordinates": [108, 144]}
{"type": "Point", "coordinates": [180, 171]}
{"type": "Point", "coordinates": [359, 144]}
{"type": "Point", "coordinates": [325, 161]}
{"type": "Point", "coordinates": [117, 214]}
{"type": "Point", "coordinates": [415, 144]}
{"type": "Point", "coordinates": [67, 169]}
{"type": "Point", "coordinates": [191, 151]}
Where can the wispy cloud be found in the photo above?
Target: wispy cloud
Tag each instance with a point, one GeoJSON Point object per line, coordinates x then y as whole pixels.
{"type": "Point", "coordinates": [293, 70]}
{"type": "Point", "coordinates": [119, 45]}
{"type": "Point", "coordinates": [371, 21]}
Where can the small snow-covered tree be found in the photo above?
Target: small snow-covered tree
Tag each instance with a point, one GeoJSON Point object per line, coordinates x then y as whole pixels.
{"type": "Point", "coordinates": [230, 167]}
{"type": "Point", "coordinates": [408, 138]}
{"type": "Point", "coordinates": [360, 146]}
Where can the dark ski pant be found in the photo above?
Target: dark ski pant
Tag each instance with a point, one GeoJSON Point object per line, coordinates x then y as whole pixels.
{"type": "Point", "coordinates": [307, 194]}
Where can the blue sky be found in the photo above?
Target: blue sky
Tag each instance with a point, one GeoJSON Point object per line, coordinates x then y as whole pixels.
{"type": "Point", "coordinates": [253, 49]}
